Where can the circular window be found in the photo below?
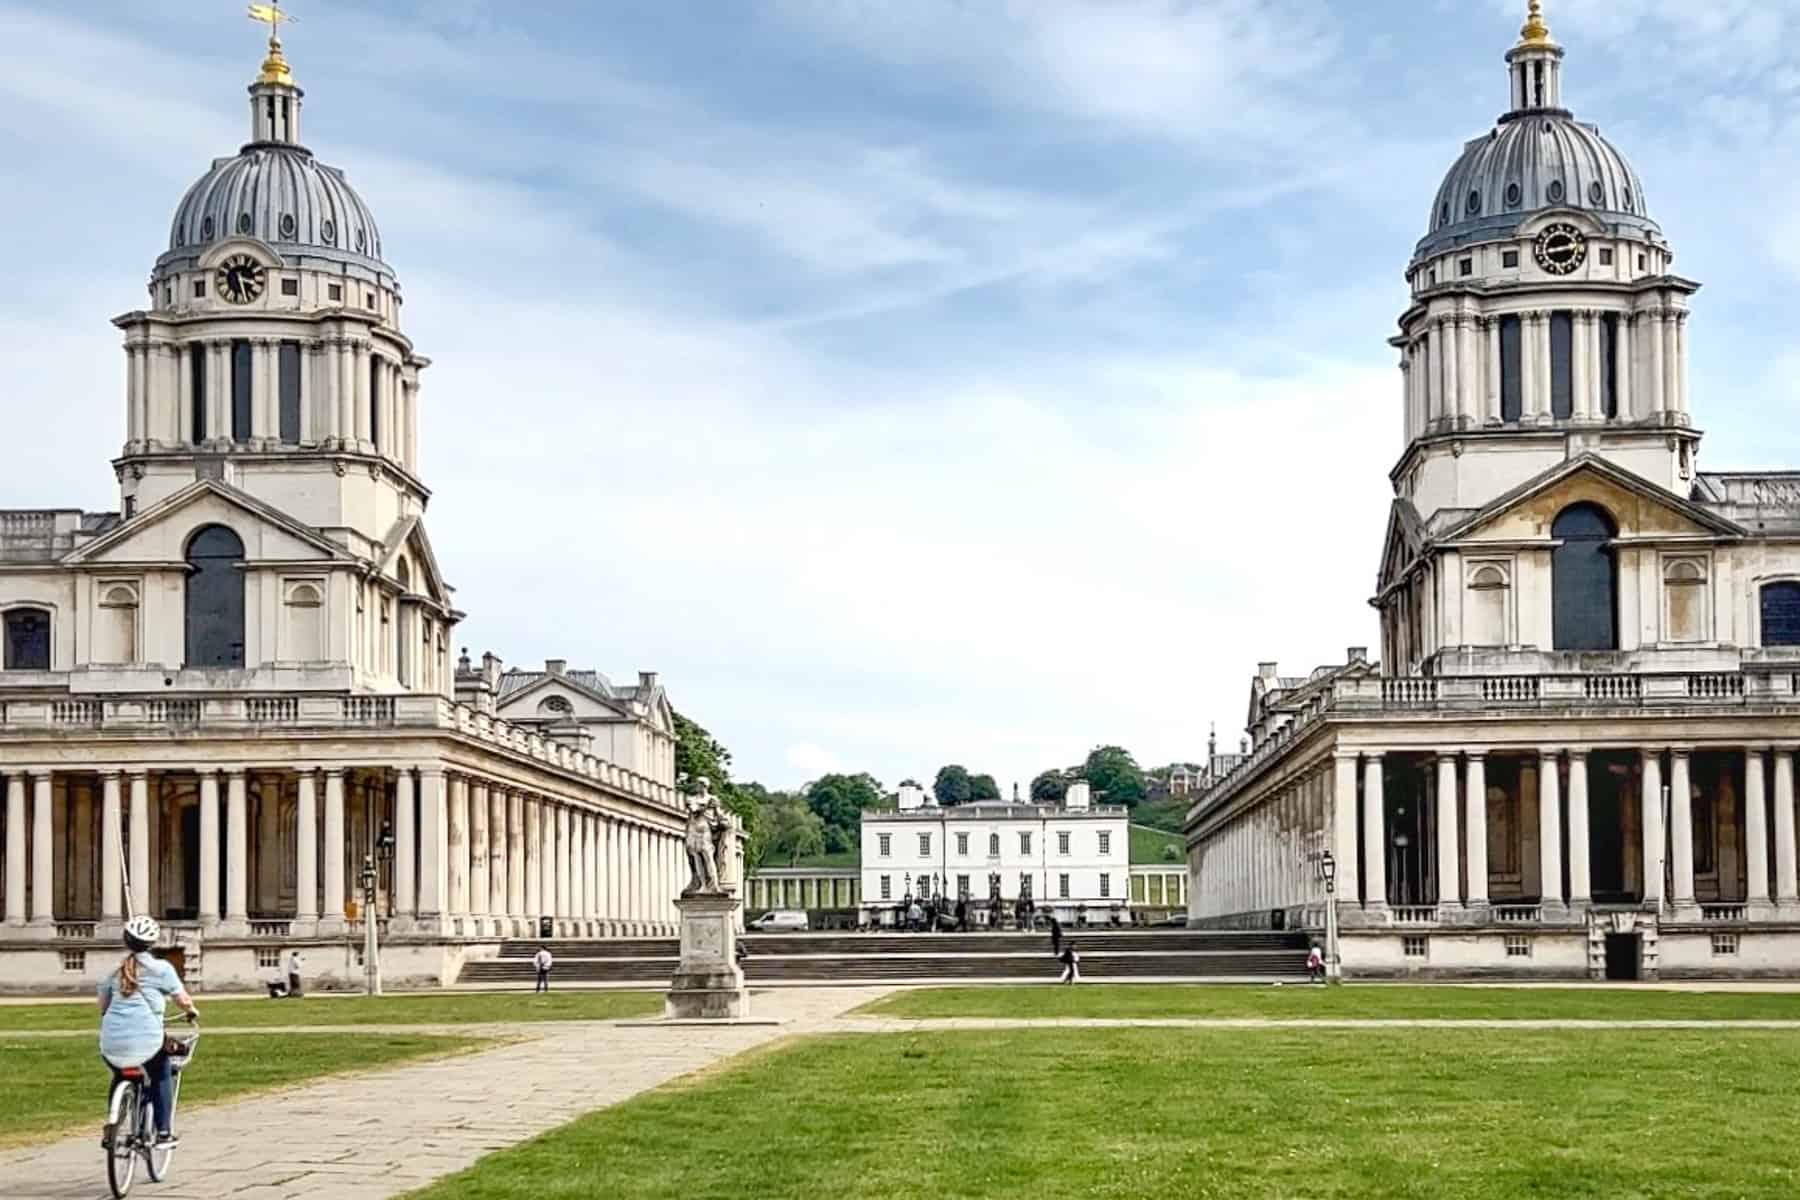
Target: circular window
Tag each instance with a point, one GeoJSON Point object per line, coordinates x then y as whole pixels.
{"type": "Point", "coordinates": [362, 240]}
{"type": "Point", "coordinates": [1555, 191]}
{"type": "Point", "coordinates": [243, 225]}
{"type": "Point", "coordinates": [1474, 203]}
{"type": "Point", "coordinates": [1513, 195]}
{"type": "Point", "coordinates": [206, 230]}
{"type": "Point", "coordinates": [328, 231]}
{"type": "Point", "coordinates": [1625, 199]}
{"type": "Point", "coordinates": [288, 225]}
{"type": "Point", "coordinates": [1596, 193]}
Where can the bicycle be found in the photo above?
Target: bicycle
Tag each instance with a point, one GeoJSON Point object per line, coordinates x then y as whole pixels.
{"type": "Point", "coordinates": [130, 1133]}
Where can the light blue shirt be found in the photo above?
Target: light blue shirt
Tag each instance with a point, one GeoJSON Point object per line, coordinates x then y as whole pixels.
{"type": "Point", "coordinates": [131, 1031]}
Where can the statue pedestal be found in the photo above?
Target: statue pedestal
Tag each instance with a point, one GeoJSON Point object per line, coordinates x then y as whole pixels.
{"type": "Point", "coordinates": [708, 983]}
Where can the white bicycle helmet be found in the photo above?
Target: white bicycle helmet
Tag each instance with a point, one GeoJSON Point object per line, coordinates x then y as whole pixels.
{"type": "Point", "coordinates": [141, 933]}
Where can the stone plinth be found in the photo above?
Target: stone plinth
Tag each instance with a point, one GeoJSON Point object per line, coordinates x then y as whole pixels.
{"type": "Point", "coordinates": [708, 983]}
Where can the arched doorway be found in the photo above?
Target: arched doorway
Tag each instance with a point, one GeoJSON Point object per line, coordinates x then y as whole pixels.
{"type": "Point", "coordinates": [1584, 580]}
{"type": "Point", "coordinates": [215, 599]}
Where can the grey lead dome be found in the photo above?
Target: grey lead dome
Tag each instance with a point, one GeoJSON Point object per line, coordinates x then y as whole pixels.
{"type": "Point", "coordinates": [1532, 161]}
{"type": "Point", "coordinates": [279, 194]}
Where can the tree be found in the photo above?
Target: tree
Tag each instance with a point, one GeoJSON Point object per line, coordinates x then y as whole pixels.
{"type": "Point", "coordinates": [983, 787]}
{"type": "Point", "coordinates": [952, 785]}
{"type": "Point", "coordinates": [792, 830]}
{"type": "Point", "coordinates": [1048, 788]}
{"type": "Point", "coordinates": [698, 755]}
{"type": "Point", "coordinates": [1115, 775]}
{"type": "Point", "coordinates": [839, 801]}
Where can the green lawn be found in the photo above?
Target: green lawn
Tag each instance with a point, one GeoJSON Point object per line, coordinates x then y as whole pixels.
{"type": "Point", "coordinates": [1300, 1002]}
{"type": "Point", "coordinates": [1045, 1114]}
{"type": "Point", "coordinates": [1148, 847]}
{"type": "Point", "coordinates": [59, 1084]}
{"type": "Point", "coordinates": [452, 1008]}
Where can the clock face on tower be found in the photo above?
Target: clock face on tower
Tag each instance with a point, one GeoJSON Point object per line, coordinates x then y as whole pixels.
{"type": "Point", "coordinates": [1560, 249]}
{"type": "Point", "coordinates": [240, 279]}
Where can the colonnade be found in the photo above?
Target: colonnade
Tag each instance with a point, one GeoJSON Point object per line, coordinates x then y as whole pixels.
{"type": "Point", "coordinates": [270, 851]}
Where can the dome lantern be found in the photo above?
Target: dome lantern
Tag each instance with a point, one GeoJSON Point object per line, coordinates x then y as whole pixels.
{"type": "Point", "coordinates": [1535, 67]}
{"type": "Point", "coordinates": [274, 97]}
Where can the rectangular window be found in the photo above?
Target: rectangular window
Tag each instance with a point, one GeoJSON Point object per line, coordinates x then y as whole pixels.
{"type": "Point", "coordinates": [1562, 366]}
{"type": "Point", "coordinates": [993, 845]}
{"type": "Point", "coordinates": [883, 844]}
{"type": "Point", "coordinates": [1105, 885]}
{"type": "Point", "coordinates": [375, 400]}
{"type": "Point", "coordinates": [1512, 385]}
{"type": "Point", "coordinates": [1518, 946]}
{"type": "Point", "coordinates": [887, 887]}
{"type": "Point", "coordinates": [1062, 842]}
{"type": "Point", "coordinates": [334, 291]}
{"type": "Point", "coordinates": [199, 289]}
{"type": "Point", "coordinates": [1414, 947]}
{"type": "Point", "coordinates": [1509, 258]}
{"type": "Point", "coordinates": [197, 391]}
{"type": "Point", "coordinates": [290, 393]}
{"type": "Point", "coordinates": [1465, 266]}
{"type": "Point", "coordinates": [290, 287]}
{"type": "Point", "coordinates": [1724, 943]}
{"type": "Point", "coordinates": [74, 961]}
{"type": "Point", "coordinates": [1609, 383]}
{"type": "Point", "coordinates": [369, 302]}
{"type": "Point", "coordinates": [1137, 889]}
{"type": "Point", "coordinates": [1643, 262]}
{"type": "Point", "coordinates": [925, 845]}
{"type": "Point", "coordinates": [1024, 843]}
{"type": "Point", "coordinates": [962, 887]}
{"type": "Point", "coordinates": [1105, 842]}
{"type": "Point", "coordinates": [242, 372]}
{"type": "Point", "coordinates": [1062, 887]}
{"type": "Point", "coordinates": [268, 960]}
{"type": "Point", "coordinates": [1024, 884]}
{"type": "Point", "coordinates": [962, 845]}
{"type": "Point", "coordinates": [1606, 258]}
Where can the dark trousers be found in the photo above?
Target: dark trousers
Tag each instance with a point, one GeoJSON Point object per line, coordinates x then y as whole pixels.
{"type": "Point", "coordinates": [159, 1091]}
{"type": "Point", "coordinates": [294, 986]}
{"type": "Point", "coordinates": [543, 980]}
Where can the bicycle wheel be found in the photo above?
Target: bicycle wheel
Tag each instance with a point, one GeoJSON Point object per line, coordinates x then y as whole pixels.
{"type": "Point", "coordinates": [121, 1150]}
{"type": "Point", "coordinates": [157, 1161]}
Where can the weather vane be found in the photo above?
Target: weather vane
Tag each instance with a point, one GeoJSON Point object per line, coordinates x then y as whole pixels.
{"type": "Point", "coordinates": [274, 68]}
{"type": "Point", "coordinates": [272, 16]}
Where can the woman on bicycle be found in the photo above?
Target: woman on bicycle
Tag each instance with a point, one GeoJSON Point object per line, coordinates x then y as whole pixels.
{"type": "Point", "coordinates": [132, 1000]}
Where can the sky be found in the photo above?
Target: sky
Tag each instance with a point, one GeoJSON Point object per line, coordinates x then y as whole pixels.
{"type": "Point", "coordinates": [907, 381]}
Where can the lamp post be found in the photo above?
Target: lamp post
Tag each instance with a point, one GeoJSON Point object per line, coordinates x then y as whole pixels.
{"type": "Point", "coordinates": [371, 878]}
{"type": "Point", "coordinates": [1325, 868]}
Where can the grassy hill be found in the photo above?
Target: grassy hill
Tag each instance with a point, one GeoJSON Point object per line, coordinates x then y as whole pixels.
{"type": "Point", "coordinates": [1147, 846]}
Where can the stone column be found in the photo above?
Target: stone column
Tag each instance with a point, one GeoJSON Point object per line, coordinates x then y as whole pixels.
{"type": "Point", "coordinates": [433, 850]}
{"type": "Point", "coordinates": [1343, 825]}
{"type": "Point", "coordinates": [1785, 866]}
{"type": "Point", "coordinates": [209, 848]}
{"type": "Point", "coordinates": [1659, 379]}
{"type": "Point", "coordinates": [1581, 401]}
{"type": "Point", "coordinates": [1450, 342]}
{"type": "Point", "coordinates": [1492, 327]}
{"type": "Point", "coordinates": [112, 909]}
{"type": "Point", "coordinates": [1374, 833]}
{"type": "Point", "coordinates": [478, 848]}
{"type": "Point", "coordinates": [237, 847]}
{"type": "Point", "coordinates": [562, 861]}
{"type": "Point", "coordinates": [1581, 892]}
{"type": "Point", "coordinates": [16, 841]}
{"type": "Point", "coordinates": [333, 915]}
{"type": "Point", "coordinates": [457, 849]}
{"type": "Point", "coordinates": [306, 848]}
{"type": "Point", "coordinates": [591, 849]}
{"type": "Point", "coordinates": [497, 851]}
{"type": "Point", "coordinates": [547, 857]}
{"type": "Point", "coordinates": [406, 845]}
{"type": "Point", "coordinates": [516, 851]}
{"type": "Point", "coordinates": [1671, 348]}
{"type": "Point", "coordinates": [1650, 801]}
{"type": "Point", "coordinates": [1449, 856]}
{"type": "Point", "coordinates": [532, 903]}
{"type": "Point", "coordinates": [1622, 382]}
{"type": "Point", "coordinates": [1681, 826]}
{"type": "Point", "coordinates": [1550, 829]}
{"type": "Point", "coordinates": [43, 859]}
{"type": "Point", "coordinates": [1678, 370]}
{"type": "Point", "coordinates": [1756, 828]}
{"type": "Point", "coordinates": [1475, 829]}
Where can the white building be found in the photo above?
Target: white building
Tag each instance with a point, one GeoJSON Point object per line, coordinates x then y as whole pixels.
{"type": "Point", "coordinates": [1577, 756]}
{"type": "Point", "coordinates": [216, 701]}
{"type": "Point", "coordinates": [1065, 858]}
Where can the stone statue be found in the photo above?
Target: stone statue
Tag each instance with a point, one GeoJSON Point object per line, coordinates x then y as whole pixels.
{"type": "Point", "coordinates": [703, 866]}
{"type": "Point", "coordinates": [722, 826]}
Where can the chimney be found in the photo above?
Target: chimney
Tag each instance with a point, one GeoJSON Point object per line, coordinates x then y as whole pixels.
{"type": "Point", "coordinates": [912, 796]}
{"type": "Point", "coordinates": [1265, 671]}
{"type": "Point", "coordinates": [476, 688]}
{"type": "Point", "coordinates": [490, 669]}
{"type": "Point", "coordinates": [647, 681]}
{"type": "Point", "coordinates": [1078, 796]}
{"type": "Point", "coordinates": [1359, 654]}
{"type": "Point", "coordinates": [556, 666]}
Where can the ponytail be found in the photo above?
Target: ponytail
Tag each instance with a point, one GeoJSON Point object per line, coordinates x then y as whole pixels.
{"type": "Point", "coordinates": [128, 976]}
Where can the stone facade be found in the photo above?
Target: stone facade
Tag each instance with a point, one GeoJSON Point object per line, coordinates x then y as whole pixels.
{"type": "Point", "coordinates": [217, 703]}
{"type": "Point", "coordinates": [1577, 756]}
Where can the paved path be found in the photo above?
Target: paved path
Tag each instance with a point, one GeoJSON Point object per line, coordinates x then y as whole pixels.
{"type": "Point", "coordinates": [876, 1024]}
{"type": "Point", "coordinates": [374, 1136]}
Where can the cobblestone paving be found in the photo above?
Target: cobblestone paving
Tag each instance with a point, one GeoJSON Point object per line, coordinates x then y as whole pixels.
{"type": "Point", "coordinates": [372, 1136]}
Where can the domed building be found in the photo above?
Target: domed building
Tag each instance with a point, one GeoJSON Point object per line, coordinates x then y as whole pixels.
{"type": "Point", "coordinates": [1575, 757]}
{"type": "Point", "coordinates": [232, 705]}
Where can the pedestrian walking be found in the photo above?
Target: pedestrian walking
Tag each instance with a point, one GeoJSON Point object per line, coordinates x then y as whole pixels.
{"type": "Point", "coordinates": [1315, 964]}
{"type": "Point", "coordinates": [1056, 936]}
{"type": "Point", "coordinates": [1071, 962]}
{"type": "Point", "coordinates": [542, 960]}
{"type": "Point", "coordinates": [293, 975]}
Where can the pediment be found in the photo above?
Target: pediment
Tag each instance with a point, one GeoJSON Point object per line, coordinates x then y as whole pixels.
{"type": "Point", "coordinates": [408, 542]}
{"type": "Point", "coordinates": [1403, 544]}
{"type": "Point", "coordinates": [162, 532]}
{"type": "Point", "coordinates": [1639, 508]}
{"type": "Point", "coordinates": [583, 703]}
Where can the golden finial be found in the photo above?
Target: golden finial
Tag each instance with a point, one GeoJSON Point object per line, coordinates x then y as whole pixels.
{"type": "Point", "coordinates": [1534, 32]}
{"type": "Point", "coordinates": [275, 67]}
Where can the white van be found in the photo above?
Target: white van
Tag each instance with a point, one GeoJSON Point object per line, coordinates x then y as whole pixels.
{"type": "Point", "coordinates": [781, 921]}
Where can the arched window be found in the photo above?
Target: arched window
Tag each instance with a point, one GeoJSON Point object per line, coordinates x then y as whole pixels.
{"type": "Point", "coordinates": [1487, 607]}
{"type": "Point", "coordinates": [1684, 600]}
{"type": "Point", "coordinates": [1584, 580]}
{"type": "Point", "coordinates": [27, 640]}
{"type": "Point", "coordinates": [1781, 614]}
{"type": "Point", "coordinates": [215, 599]}
{"type": "Point", "coordinates": [305, 635]}
{"type": "Point", "coordinates": [115, 625]}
